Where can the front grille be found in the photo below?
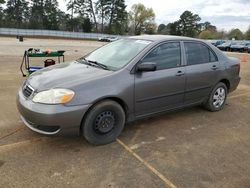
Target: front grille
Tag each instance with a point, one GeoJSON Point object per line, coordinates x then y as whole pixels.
{"type": "Point", "coordinates": [27, 91]}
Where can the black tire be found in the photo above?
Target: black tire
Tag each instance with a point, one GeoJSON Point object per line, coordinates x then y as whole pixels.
{"type": "Point", "coordinates": [103, 123]}
{"type": "Point", "coordinates": [210, 103]}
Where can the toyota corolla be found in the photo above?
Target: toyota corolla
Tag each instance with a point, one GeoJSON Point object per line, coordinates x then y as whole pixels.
{"type": "Point", "coordinates": [125, 80]}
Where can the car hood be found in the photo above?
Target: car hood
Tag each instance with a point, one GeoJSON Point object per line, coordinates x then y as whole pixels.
{"type": "Point", "coordinates": [65, 75]}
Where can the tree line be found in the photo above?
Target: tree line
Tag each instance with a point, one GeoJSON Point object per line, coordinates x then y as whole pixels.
{"type": "Point", "coordinates": [189, 25]}
{"type": "Point", "coordinates": [105, 16]}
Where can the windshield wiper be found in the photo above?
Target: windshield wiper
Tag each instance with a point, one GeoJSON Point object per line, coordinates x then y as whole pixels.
{"type": "Point", "coordinates": [83, 60]}
{"type": "Point", "coordinates": [93, 63]}
{"type": "Point", "coordinates": [98, 64]}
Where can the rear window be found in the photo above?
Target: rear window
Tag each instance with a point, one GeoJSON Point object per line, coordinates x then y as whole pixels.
{"type": "Point", "coordinates": [198, 53]}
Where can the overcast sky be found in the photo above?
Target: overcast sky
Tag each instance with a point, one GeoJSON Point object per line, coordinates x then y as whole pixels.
{"type": "Point", "coordinates": [225, 14]}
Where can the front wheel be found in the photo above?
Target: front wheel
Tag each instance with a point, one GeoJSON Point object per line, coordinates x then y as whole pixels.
{"type": "Point", "coordinates": [103, 123]}
{"type": "Point", "coordinates": [217, 98]}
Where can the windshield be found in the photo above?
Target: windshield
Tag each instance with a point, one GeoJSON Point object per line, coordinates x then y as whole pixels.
{"type": "Point", "coordinates": [117, 54]}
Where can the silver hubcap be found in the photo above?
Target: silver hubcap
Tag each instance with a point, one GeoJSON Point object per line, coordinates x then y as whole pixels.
{"type": "Point", "coordinates": [219, 97]}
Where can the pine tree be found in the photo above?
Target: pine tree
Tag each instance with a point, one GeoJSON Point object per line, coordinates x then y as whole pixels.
{"type": "Point", "coordinates": [118, 17]}
{"type": "Point", "coordinates": [17, 13]}
{"type": "Point", "coordinates": [90, 10]}
{"type": "Point", "coordinates": [37, 14]}
{"type": "Point", "coordinates": [1, 12]}
{"type": "Point", "coordinates": [72, 7]}
{"type": "Point", "coordinates": [86, 26]}
{"type": "Point", "coordinates": [76, 7]}
{"type": "Point", "coordinates": [114, 13]}
{"type": "Point", "coordinates": [51, 15]}
{"type": "Point", "coordinates": [102, 9]}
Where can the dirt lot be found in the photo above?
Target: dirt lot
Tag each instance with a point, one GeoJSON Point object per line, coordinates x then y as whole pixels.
{"type": "Point", "coordinates": [189, 148]}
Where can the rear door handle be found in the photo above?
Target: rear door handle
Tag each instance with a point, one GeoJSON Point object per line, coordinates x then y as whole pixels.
{"type": "Point", "coordinates": [179, 73]}
{"type": "Point", "coordinates": [214, 67]}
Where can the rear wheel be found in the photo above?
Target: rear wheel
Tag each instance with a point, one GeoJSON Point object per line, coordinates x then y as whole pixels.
{"type": "Point", "coordinates": [103, 123]}
{"type": "Point", "coordinates": [217, 98]}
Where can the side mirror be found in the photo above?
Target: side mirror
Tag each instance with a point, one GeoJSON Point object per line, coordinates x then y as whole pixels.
{"type": "Point", "coordinates": [146, 67]}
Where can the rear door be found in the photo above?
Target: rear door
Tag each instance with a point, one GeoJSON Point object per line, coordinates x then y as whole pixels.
{"type": "Point", "coordinates": [202, 69]}
{"type": "Point", "coordinates": [164, 88]}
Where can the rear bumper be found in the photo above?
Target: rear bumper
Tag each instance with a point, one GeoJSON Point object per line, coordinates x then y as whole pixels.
{"type": "Point", "coordinates": [234, 84]}
{"type": "Point", "coordinates": [50, 119]}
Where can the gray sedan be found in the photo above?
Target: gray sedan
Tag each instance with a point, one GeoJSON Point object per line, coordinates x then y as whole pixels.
{"type": "Point", "coordinates": [125, 80]}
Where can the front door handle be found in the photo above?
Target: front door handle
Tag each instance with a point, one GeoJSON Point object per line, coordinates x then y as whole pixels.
{"type": "Point", "coordinates": [179, 73]}
{"type": "Point", "coordinates": [214, 67]}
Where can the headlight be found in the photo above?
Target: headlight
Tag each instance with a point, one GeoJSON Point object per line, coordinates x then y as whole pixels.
{"type": "Point", "coordinates": [54, 96]}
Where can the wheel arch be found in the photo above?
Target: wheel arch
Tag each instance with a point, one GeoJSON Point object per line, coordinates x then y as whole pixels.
{"type": "Point", "coordinates": [113, 98]}
{"type": "Point", "coordinates": [226, 82]}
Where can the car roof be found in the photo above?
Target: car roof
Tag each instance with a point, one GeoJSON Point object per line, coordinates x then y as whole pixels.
{"type": "Point", "coordinates": [157, 38]}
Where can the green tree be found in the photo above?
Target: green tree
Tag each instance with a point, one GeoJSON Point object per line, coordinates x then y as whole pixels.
{"type": "Point", "coordinates": [102, 9]}
{"type": "Point", "coordinates": [17, 13]}
{"type": "Point", "coordinates": [72, 6]}
{"type": "Point", "coordinates": [73, 24]}
{"type": "Point", "coordinates": [165, 29]}
{"type": "Point", "coordinates": [86, 25]}
{"type": "Point", "coordinates": [140, 17]}
{"type": "Point", "coordinates": [90, 9]}
{"type": "Point", "coordinates": [247, 34]}
{"type": "Point", "coordinates": [206, 34]}
{"type": "Point", "coordinates": [86, 8]}
{"type": "Point", "coordinates": [1, 12]}
{"type": "Point", "coordinates": [51, 15]}
{"type": "Point", "coordinates": [113, 13]}
{"type": "Point", "coordinates": [63, 21]}
{"type": "Point", "coordinates": [37, 14]}
{"type": "Point", "coordinates": [150, 28]}
{"type": "Point", "coordinates": [208, 26]}
{"type": "Point", "coordinates": [2, 2]}
{"type": "Point", "coordinates": [188, 24]}
{"type": "Point", "coordinates": [75, 7]}
{"type": "Point", "coordinates": [161, 29]}
{"type": "Point", "coordinates": [209, 31]}
{"type": "Point", "coordinates": [174, 28]}
{"type": "Point", "coordinates": [220, 35]}
{"type": "Point", "coordinates": [236, 34]}
{"type": "Point", "coordinates": [117, 16]}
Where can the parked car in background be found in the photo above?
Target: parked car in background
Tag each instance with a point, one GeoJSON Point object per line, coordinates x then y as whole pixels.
{"type": "Point", "coordinates": [217, 42]}
{"type": "Point", "coordinates": [240, 47]}
{"type": "Point", "coordinates": [211, 41]}
{"type": "Point", "coordinates": [226, 46]}
{"type": "Point", "coordinates": [248, 49]}
{"type": "Point", "coordinates": [123, 81]}
{"type": "Point", "coordinates": [108, 39]}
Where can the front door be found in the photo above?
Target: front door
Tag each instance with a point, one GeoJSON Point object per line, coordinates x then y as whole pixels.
{"type": "Point", "coordinates": [164, 88]}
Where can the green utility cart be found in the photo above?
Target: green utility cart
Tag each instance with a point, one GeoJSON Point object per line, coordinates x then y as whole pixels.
{"type": "Point", "coordinates": [33, 53]}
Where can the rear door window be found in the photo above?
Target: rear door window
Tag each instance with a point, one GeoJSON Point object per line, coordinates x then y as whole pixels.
{"type": "Point", "coordinates": [198, 53]}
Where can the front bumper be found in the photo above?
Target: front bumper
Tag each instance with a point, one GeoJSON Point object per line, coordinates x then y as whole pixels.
{"type": "Point", "coordinates": [50, 119]}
